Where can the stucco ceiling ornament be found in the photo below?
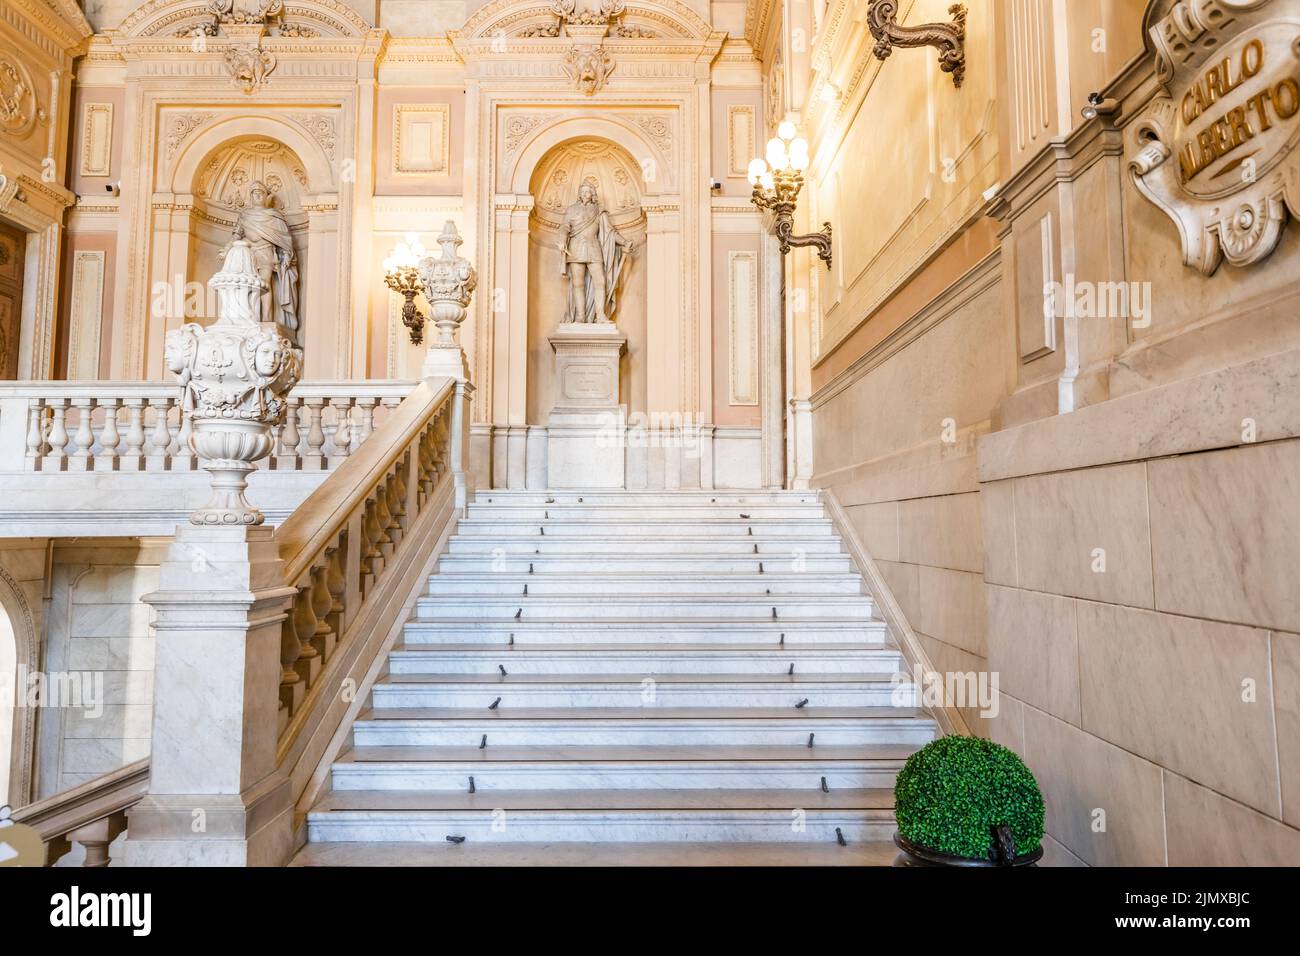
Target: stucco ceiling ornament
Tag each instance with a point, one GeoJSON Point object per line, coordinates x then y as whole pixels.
{"type": "Point", "coordinates": [246, 11]}
{"type": "Point", "coordinates": [604, 19]}
{"type": "Point", "coordinates": [1217, 150]}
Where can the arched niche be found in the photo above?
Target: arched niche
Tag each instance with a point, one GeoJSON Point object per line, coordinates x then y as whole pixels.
{"type": "Point", "coordinates": [207, 184]}
{"type": "Point", "coordinates": [221, 191]}
{"type": "Point", "coordinates": [554, 184]}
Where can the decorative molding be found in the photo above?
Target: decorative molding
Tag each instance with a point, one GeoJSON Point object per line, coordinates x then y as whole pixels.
{"type": "Point", "coordinates": [86, 314]}
{"type": "Point", "coordinates": [180, 128]}
{"type": "Point", "coordinates": [18, 107]}
{"type": "Point", "coordinates": [588, 67]}
{"type": "Point", "coordinates": [97, 139]}
{"type": "Point", "coordinates": [321, 127]}
{"type": "Point", "coordinates": [249, 66]}
{"type": "Point", "coordinates": [742, 323]}
{"type": "Point", "coordinates": [741, 139]}
{"type": "Point", "coordinates": [658, 127]}
{"type": "Point", "coordinates": [421, 139]}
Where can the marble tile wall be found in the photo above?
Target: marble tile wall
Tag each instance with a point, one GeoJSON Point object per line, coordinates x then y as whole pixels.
{"type": "Point", "coordinates": [98, 626]}
{"type": "Point", "coordinates": [1155, 700]}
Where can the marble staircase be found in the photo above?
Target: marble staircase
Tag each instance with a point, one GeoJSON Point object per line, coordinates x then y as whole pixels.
{"type": "Point", "coordinates": [633, 675]}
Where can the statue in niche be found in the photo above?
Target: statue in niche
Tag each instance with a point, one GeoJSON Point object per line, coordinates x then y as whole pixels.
{"type": "Point", "coordinates": [593, 256]}
{"type": "Point", "coordinates": [267, 231]}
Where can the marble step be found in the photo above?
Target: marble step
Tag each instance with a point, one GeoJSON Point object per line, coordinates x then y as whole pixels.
{"type": "Point", "coordinates": [620, 527]}
{"type": "Point", "coordinates": [547, 633]}
{"type": "Point", "coordinates": [612, 768]}
{"type": "Point", "coordinates": [620, 499]}
{"type": "Point", "coordinates": [648, 607]}
{"type": "Point", "coordinates": [442, 853]}
{"type": "Point", "coordinates": [635, 727]}
{"type": "Point", "coordinates": [626, 690]}
{"type": "Point", "coordinates": [646, 582]}
{"type": "Point", "coordinates": [791, 824]}
{"type": "Point", "coordinates": [576, 564]}
{"type": "Point", "coordinates": [679, 511]}
{"type": "Point", "coordinates": [641, 659]}
{"type": "Point", "coordinates": [583, 545]}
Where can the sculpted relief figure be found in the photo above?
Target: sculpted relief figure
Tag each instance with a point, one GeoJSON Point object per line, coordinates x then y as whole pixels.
{"type": "Point", "coordinates": [593, 256]}
{"type": "Point", "coordinates": [267, 231]}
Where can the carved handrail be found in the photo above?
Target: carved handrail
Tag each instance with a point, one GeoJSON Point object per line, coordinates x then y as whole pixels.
{"type": "Point", "coordinates": [92, 813]}
{"type": "Point", "coordinates": [341, 546]}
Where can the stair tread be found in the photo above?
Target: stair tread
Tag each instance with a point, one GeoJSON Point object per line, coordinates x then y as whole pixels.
{"type": "Point", "coordinates": [592, 754]}
{"type": "Point", "coordinates": [497, 680]}
{"type": "Point", "coordinates": [339, 801]}
{"type": "Point", "coordinates": [773, 649]}
{"type": "Point", "coordinates": [742, 715]}
{"type": "Point", "coordinates": [876, 853]}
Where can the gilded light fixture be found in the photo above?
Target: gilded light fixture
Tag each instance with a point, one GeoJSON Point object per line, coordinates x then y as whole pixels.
{"type": "Point", "coordinates": [949, 38]}
{"type": "Point", "coordinates": [777, 181]}
{"type": "Point", "coordinates": [402, 275]}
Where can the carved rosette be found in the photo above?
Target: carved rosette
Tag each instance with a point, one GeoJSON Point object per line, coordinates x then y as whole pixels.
{"type": "Point", "coordinates": [449, 280]}
{"type": "Point", "coordinates": [235, 375]}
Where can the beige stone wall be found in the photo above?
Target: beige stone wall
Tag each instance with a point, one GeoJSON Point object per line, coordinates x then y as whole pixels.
{"type": "Point", "coordinates": [1112, 530]}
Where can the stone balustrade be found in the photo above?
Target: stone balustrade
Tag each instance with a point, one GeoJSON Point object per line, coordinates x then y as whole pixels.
{"type": "Point", "coordinates": [73, 427]}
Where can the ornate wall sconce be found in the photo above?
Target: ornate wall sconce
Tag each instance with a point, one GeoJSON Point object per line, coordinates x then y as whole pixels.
{"type": "Point", "coordinates": [777, 181]}
{"type": "Point", "coordinates": [402, 275]}
{"type": "Point", "coordinates": [949, 38]}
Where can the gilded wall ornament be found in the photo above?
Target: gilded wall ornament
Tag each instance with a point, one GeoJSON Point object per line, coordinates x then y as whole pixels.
{"type": "Point", "coordinates": [948, 38]}
{"type": "Point", "coordinates": [1217, 150]}
{"type": "Point", "coordinates": [18, 109]}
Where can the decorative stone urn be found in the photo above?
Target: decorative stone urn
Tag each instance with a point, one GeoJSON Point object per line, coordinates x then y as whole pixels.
{"type": "Point", "coordinates": [449, 280]}
{"type": "Point", "coordinates": [235, 375]}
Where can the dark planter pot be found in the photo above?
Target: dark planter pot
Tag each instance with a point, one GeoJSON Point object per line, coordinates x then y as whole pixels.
{"type": "Point", "coordinates": [914, 855]}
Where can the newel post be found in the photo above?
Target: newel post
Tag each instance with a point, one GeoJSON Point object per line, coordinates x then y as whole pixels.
{"type": "Point", "coordinates": [449, 280]}
{"type": "Point", "coordinates": [215, 797]}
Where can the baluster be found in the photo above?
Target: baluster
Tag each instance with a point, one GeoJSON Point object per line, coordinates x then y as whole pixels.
{"type": "Point", "coordinates": [57, 439]}
{"type": "Point", "coordinates": [183, 459]}
{"type": "Point", "coordinates": [383, 519]}
{"type": "Point", "coordinates": [80, 460]}
{"type": "Point", "coordinates": [367, 406]}
{"type": "Point", "coordinates": [109, 437]}
{"type": "Point", "coordinates": [304, 627]}
{"type": "Point", "coordinates": [373, 561]}
{"type": "Point", "coordinates": [287, 460]}
{"type": "Point", "coordinates": [35, 432]}
{"type": "Point", "coordinates": [292, 687]}
{"type": "Point", "coordinates": [342, 427]}
{"type": "Point", "coordinates": [322, 603]}
{"type": "Point", "coordinates": [160, 438]}
{"type": "Point", "coordinates": [132, 459]}
{"type": "Point", "coordinates": [313, 459]}
{"type": "Point", "coordinates": [337, 584]}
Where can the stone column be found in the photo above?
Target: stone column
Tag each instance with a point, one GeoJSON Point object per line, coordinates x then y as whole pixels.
{"type": "Point", "coordinates": [215, 795]}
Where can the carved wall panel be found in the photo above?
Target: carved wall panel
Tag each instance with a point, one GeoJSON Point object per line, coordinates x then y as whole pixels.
{"type": "Point", "coordinates": [742, 314]}
{"type": "Point", "coordinates": [742, 140]}
{"type": "Point", "coordinates": [87, 309]}
{"type": "Point", "coordinates": [421, 139]}
{"type": "Point", "coordinates": [96, 139]}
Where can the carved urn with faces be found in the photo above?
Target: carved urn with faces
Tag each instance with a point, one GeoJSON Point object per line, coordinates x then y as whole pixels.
{"type": "Point", "coordinates": [235, 375]}
{"type": "Point", "coordinates": [449, 280]}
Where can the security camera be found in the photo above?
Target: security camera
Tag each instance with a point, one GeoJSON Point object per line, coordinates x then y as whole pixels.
{"type": "Point", "coordinates": [715, 184]}
{"type": "Point", "coordinates": [113, 189]}
{"type": "Point", "coordinates": [1098, 105]}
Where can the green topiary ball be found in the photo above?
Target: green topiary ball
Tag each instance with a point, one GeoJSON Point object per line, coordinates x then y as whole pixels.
{"type": "Point", "coordinates": [952, 792]}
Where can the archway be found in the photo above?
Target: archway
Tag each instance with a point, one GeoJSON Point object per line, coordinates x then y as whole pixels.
{"type": "Point", "coordinates": [554, 185]}
{"type": "Point", "coordinates": [18, 656]}
{"type": "Point", "coordinates": [9, 699]}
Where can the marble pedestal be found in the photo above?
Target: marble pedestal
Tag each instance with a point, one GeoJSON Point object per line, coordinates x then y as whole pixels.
{"type": "Point", "coordinates": [585, 435]}
{"type": "Point", "coordinates": [215, 798]}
